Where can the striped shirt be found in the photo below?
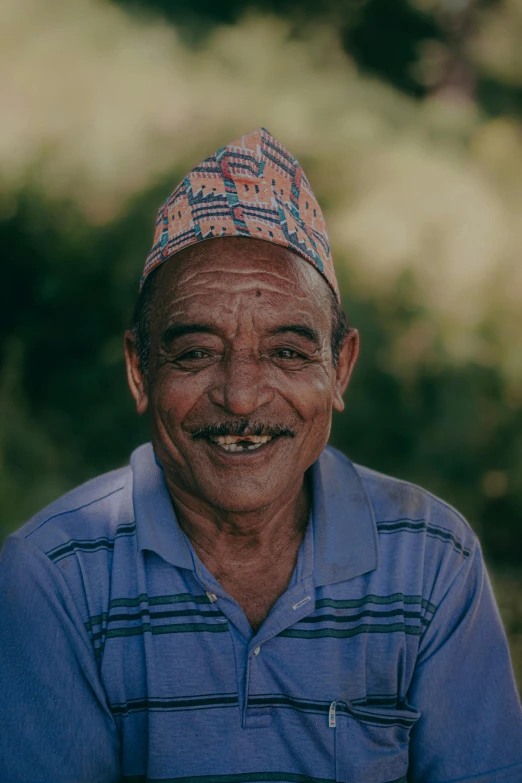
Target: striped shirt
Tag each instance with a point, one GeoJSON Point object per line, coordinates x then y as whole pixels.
{"type": "Point", "coordinates": [123, 659]}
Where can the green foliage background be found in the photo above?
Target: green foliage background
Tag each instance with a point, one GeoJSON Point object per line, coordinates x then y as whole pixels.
{"type": "Point", "coordinates": [406, 115]}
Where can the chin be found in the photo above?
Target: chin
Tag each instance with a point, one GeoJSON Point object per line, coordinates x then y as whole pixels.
{"type": "Point", "coordinates": [239, 501]}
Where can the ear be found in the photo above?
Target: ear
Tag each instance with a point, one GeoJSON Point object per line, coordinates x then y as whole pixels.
{"type": "Point", "coordinates": [347, 358]}
{"type": "Point", "coordinates": [137, 383]}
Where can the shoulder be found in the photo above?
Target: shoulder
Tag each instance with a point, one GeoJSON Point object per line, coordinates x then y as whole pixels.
{"type": "Point", "coordinates": [403, 507]}
{"type": "Point", "coordinates": [422, 539]}
{"type": "Point", "coordinates": [93, 512]}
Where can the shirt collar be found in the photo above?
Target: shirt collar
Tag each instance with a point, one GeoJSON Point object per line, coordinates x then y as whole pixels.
{"type": "Point", "coordinates": [157, 528]}
{"type": "Point", "coordinates": [344, 537]}
{"type": "Point", "coordinates": [345, 531]}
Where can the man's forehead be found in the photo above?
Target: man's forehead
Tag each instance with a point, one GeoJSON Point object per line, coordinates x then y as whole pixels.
{"type": "Point", "coordinates": [235, 266]}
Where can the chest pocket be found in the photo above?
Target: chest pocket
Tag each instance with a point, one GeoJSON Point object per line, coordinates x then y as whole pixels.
{"type": "Point", "coordinates": [371, 743]}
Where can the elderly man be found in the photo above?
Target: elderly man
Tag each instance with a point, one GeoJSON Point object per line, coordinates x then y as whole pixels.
{"type": "Point", "coordinates": [243, 603]}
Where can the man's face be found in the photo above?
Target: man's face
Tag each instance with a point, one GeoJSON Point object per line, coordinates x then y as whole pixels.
{"type": "Point", "coordinates": [241, 383]}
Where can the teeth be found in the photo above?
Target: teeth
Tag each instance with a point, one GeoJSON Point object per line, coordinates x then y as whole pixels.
{"type": "Point", "coordinates": [231, 442]}
{"type": "Point", "coordinates": [235, 447]}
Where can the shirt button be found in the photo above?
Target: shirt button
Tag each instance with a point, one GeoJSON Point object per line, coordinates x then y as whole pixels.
{"type": "Point", "coordinates": [212, 597]}
{"type": "Point", "coordinates": [257, 650]}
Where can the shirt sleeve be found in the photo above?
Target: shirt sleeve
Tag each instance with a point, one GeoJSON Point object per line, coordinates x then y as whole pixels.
{"type": "Point", "coordinates": [56, 726]}
{"type": "Point", "coordinates": [470, 727]}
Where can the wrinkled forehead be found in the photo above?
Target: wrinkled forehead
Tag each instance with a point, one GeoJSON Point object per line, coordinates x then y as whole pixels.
{"type": "Point", "coordinates": [235, 267]}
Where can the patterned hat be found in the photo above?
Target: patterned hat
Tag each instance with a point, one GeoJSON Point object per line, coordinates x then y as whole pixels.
{"type": "Point", "coordinates": [254, 188]}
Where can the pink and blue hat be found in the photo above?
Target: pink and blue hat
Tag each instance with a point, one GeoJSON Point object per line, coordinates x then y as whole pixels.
{"type": "Point", "coordinates": [253, 187]}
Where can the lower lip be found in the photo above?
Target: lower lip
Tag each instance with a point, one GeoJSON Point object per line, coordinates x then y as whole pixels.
{"type": "Point", "coordinates": [246, 454]}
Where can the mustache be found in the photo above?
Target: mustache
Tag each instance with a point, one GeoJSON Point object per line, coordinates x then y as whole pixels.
{"type": "Point", "coordinates": [242, 427]}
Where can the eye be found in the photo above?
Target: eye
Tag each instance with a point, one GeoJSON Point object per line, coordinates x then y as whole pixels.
{"type": "Point", "coordinates": [288, 353]}
{"type": "Point", "coordinates": [196, 359]}
{"type": "Point", "coordinates": [194, 355]}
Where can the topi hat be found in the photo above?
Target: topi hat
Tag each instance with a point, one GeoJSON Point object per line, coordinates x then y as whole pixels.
{"type": "Point", "coordinates": [253, 187]}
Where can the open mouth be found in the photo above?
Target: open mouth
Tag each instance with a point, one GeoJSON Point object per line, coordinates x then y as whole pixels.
{"type": "Point", "coordinates": [236, 443]}
{"type": "Point", "coordinates": [240, 437]}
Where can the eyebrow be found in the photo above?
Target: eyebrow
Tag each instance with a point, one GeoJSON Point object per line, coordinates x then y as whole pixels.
{"type": "Point", "coordinates": [174, 331]}
{"type": "Point", "coordinates": [308, 332]}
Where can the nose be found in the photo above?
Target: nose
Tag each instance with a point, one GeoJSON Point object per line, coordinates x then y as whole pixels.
{"type": "Point", "coordinates": [243, 386]}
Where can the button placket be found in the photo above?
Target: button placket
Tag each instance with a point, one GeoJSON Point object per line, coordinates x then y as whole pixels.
{"type": "Point", "coordinates": [255, 717]}
{"type": "Point", "coordinates": [299, 603]}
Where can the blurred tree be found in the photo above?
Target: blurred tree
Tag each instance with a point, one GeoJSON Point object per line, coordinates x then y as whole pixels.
{"type": "Point", "coordinates": [383, 36]}
{"type": "Point", "coordinates": [418, 46]}
{"type": "Point", "coordinates": [64, 307]}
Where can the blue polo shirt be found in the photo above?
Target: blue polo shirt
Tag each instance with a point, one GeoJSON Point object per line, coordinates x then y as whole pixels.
{"type": "Point", "coordinates": [123, 659]}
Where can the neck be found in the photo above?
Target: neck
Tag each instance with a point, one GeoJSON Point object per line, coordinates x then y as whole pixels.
{"type": "Point", "coordinates": [244, 537]}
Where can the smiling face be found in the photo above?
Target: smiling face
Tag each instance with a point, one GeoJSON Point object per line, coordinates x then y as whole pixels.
{"type": "Point", "coordinates": [240, 384]}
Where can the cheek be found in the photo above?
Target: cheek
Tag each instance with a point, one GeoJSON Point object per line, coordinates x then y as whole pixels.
{"type": "Point", "coordinates": [309, 392]}
{"type": "Point", "coordinates": [174, 396]}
